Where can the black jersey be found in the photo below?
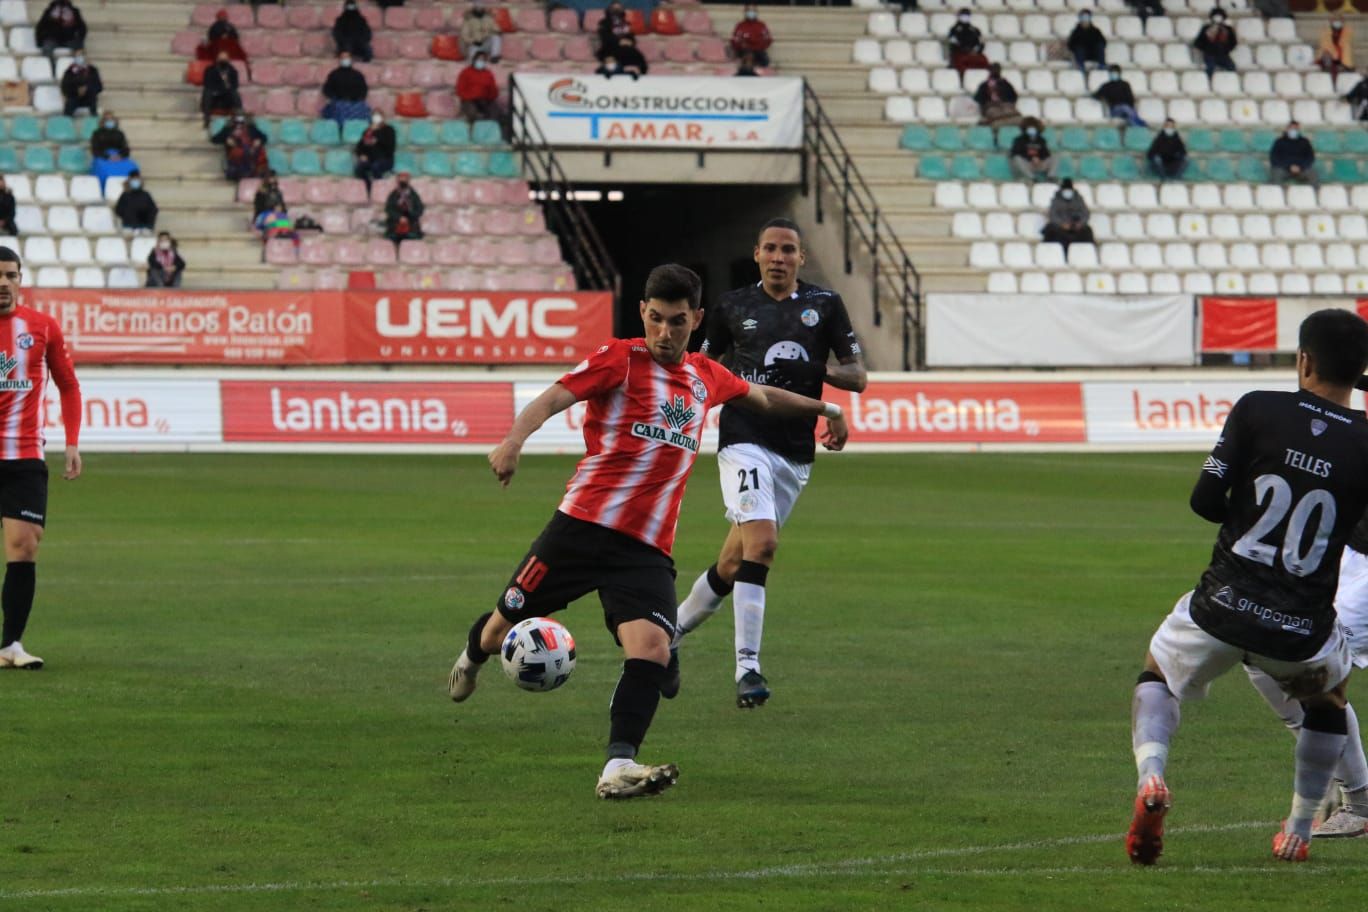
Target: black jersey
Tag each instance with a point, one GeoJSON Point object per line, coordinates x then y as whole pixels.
{"type": "Point", "coordinates": [1296, 467]}
{"type": "Point", "coordinates": [755, 330]}
{"type": "Point", "coordinates": [1358, 539]}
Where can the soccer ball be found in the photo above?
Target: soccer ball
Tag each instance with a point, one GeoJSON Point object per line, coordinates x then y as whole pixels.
{"type": "Point", "coordinates": [538, 654]}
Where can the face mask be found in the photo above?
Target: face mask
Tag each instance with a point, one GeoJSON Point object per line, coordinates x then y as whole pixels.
{"type": "Point", "coordinates": [964, 19]}
{"type": "Point", "coordinates": [239, 120]}
{"type": "Point", "coordinates": [1293, 134]}
{"type": "Point", "coordinates": [1067, 194]}
{"type": "Point", "coordinates": [1085, 19]}
{"type": "Point", "coordinates": [1337, 25]}
{"type": "Point", "coordinates": [480, 64]}
{"type": "Point", "coordinates": [377, 120]}
{"type": "Point", "coordinates": [164, 245]}
{"type": "Point", "coordinates": [1116, 77]}
{"type": "Point", "coordinates": [1218, 19]}
{"type": "Point", "coordinates": [135, 184]}
{"type": "Point", "coordinates": [345, 63]}
{"type": "Point", "coordinates": [1031, 132]}
{"type": "Point", "coordinates": [78, 60]}
{"type": "Point", "coordinates": [610, 64]}
{"type": "Point", "coordinates": [1169, 131]}
{"type": "Point", "coordinates": [109, 124]}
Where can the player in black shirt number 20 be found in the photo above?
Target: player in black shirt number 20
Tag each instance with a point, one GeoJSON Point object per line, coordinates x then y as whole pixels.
{"type": "Point", "coordinates": [779, 332]}
{"type": "Point", "coordinates": [1287, 481]}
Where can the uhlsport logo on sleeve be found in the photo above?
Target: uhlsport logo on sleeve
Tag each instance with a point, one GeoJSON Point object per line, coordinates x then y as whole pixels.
{"type": "Point", "coordinates": [677, 416]}
{"type": "Point", "coordinates": [7, 365]}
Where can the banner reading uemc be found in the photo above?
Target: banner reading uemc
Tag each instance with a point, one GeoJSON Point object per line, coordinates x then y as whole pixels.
{"type": "Point", "coordinates": [717, 112]}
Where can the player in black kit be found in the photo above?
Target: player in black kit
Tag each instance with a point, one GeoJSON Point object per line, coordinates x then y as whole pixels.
{"type": "Point", "coordinates": [1295, 467]}
{"type": "Point", "coordinates": [780, 332]}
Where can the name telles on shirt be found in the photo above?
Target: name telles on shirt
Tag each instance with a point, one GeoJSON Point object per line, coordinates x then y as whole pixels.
{"type": "Point", "coordinates": [1299, 460]}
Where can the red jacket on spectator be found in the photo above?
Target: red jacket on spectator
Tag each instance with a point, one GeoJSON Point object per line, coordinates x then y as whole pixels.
{"type": "Point", "coordinates": [476, 85]}
{"type": "Point", "coordinates": [750, 35]}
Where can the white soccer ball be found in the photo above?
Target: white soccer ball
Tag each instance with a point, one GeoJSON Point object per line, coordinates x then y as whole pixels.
{"type": "Point", "coordinates": [538, 654]}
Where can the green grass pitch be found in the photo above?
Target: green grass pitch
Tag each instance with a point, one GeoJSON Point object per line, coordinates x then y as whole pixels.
{"type": "Point", "coordinates": [244, 706]}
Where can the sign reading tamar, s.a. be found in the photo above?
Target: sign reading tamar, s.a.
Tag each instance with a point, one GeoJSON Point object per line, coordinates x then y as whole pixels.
{"type": "Point", "coordinates": [681, 112]}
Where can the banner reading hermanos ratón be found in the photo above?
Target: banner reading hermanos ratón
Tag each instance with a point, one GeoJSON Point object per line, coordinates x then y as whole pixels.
{"type": "Point", "coordinates": [694, 112]}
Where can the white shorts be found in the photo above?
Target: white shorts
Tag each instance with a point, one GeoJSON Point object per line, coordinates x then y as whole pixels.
{"type": "Point", "coordinates": [759, 484]}
{"type": "Point", "coordinates": [1191, 659]}
{"type": "Point", "coordinates": [1351, 603]}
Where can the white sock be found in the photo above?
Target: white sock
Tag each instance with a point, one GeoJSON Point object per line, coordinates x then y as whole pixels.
{"type": "Point", "coordinates": [1317, 754]}
{"type": "Point", "coordinates": [1353, 766]}
{"type": "Point", "coordinates": [616, 763]}
{"type": "Point", "coordinates": [1154, 718]}
{"type": "Point", "coordinates": [701, 603]}
{"type": "Point", "coordinates": [748, 606]}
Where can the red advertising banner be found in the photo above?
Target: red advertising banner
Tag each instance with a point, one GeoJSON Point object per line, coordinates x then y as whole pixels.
{"type": "Point", "coordinates": [476, 328]}
{"type": "Point", "coordinates": [1239, 324]}
{"type": "Point", "coordinates": [322, 411]}
{"type": "Point", "coordinates": [964, 412]}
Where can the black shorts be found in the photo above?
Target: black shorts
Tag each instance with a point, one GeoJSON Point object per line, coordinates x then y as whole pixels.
{"type": "Point", "coordinates": [23, 490]}
{"type": "Point", "coordinates": [572, 558]}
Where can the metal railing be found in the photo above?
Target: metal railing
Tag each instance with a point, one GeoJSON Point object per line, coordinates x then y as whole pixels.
{"type": "Point", "coordinates": [593, 265]}
{"type": "Point", "coordinates": [827, 165]}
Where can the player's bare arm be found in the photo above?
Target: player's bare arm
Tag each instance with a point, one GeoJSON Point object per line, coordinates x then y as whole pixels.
{"type": "Point", "coordinates": [504, 459]}
{"type": "Point", "coordinates": [850, 375]}
{"type": "Point", "coordinates": [774, 401]}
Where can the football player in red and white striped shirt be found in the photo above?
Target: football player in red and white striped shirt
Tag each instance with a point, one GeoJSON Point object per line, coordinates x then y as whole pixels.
{"type": "Point", "coordinates": [31, 345]}
{"type": "Point", "coordinates": [647, 402]}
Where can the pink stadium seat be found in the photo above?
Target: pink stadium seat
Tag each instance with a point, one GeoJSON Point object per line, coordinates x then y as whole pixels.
{"type": "Point", "coordinates": [467, 220]}
{"type": "Point", "coordinates": [561, 280]}
{"type": "Point", "coordinates": [426, 187]}
{"type": "Point", "coordinates": [352, 192]}
{"type": "Point", "coordinates": [578, 48]}
{"type": "Point", "coordinates": [335, 220]}
{"type": "Point", "coordinates": [453, 192]}
{"type": "Point", "coordinates": [401, 18]}
{"type": "Point", "coordinates": [372, 14]}
{"type": "Point", "coordinates": [319, 191]}
{"type": "Point", "coordinates": [294, 279]}
{"type": "Point", "coordinates": [428, 74]}
{"type": "Point", "coordinates": [426, 279]}
{"type": "Point", "coordinates": [501, 221]}
{"type": "Point", "coordinates": [351, 252]}
{"type": "Point", "coordinates": [513, 192]}
{"type": "Point", "coordinates": [386, 47]}
{"type": "Point", "coordinates": [310, 102]}
{"type": "Point", "coordinates": [490, 280]}
{"type": "Point", "coordinates": [652, 48]}
{"type": "Point", "coordinates": [565, 21]}
{"type": "Point", "coordinates": [393, 279]}
{"type": "Point", "coordinates": [414, 253]}
{"type": "Point", "coordinates": [381, 189]}
{"type": "Point", "coordinates": [362, 216]}
{"type": "Point", "coordinates": [460, 279]}
{"type": "Point", "coordinates": [431, 19]}
{"type": "Point", "coordinates": [414, 46]}
{"type": "Point", "coordinates": [396, 75]}
{"type": "Point", "coordinates": [546, 47]}
{"type": "Point", "coordinates": [547, 252]}
{"type": "Point", "coordinates": [247, 189]}
{"type": "Point", "coordinates": [529, 19]}
{"type": "Point", "coordinates": [514, 48]}
{"type": "Point", "coordinates": [441, 103]}
{"type": "Point", "coordinates": [532, 222]}
{"type": "Point", "coordinates": [524, 280]}
{"type": "Point", "coordinates": [481, 252]}
{"type": "Point", "coordinates": [315, 251]}
{"type": "Point", "coordinates": [271, 17]}
{"type": "Point", "coordinates": [268, 73]}
{"type": "Point", "coordinates": [279, 102]}
{"type": "Point", "coordinates": [449, 252]}
{"type": "Point", "coordinates": [302, 73]}
{"type": "Point", "coordinates": [292, 188]}
{"type": "Point", "coordinates": [380, 252]}
{"type": "Point", "coordinates": [516, 252]}
{"type": "Point", "coordinates": [591, 20]}
{"type": "Point", "coordinates": [184, 43]}
{"type": "Point", "coordinates": [711, 50]}
{"type": "Point", "coordinates": [287, 44]}
{"type": "Point", "coordinates": [304, 16]}
{"type": "Point", "coordinates": [203, 14]}
{"type": "Point", "coordinates": [257, 43]}
{"type": "Point", "coordinates": [241, 16]}
{"type": "Point", "coordinates": [253, 98]}
{"type": "Point", "coordinates": [487, 192]}
{"type": "Point", "coordinates": [330, 280]}
{"type": "Point", "coordinates": [320, 44]}
{"type": "Point", "coordinates": [370, 70]}
{"type": "Point", "coordinates": [281, 252]}
{"type": "Point", "coordinates": [679, 51]}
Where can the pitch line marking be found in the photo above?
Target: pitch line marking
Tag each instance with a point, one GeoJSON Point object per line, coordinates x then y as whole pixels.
{"type": "Point", "coordinates": [841, 867]}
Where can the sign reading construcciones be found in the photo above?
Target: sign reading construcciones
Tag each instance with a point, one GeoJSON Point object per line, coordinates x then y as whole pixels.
{"type": "Point", "coordinates": [693, 112]}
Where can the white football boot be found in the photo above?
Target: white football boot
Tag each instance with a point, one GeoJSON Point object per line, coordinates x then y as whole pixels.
{"type": "Point", "coordinates": [636, 780]}
{"type": "Point", "coordinates": [13, 656]}
{"type": "Point", "coordinates": [461, 682]}
{"type": "Point", "coordinates": [1343, 824]}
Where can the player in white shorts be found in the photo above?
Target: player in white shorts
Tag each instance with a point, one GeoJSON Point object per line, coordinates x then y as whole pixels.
{"type": "Point", "coordinates": [780, 332]}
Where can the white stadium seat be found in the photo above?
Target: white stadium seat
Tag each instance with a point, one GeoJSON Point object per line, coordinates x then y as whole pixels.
{"type": "Point", "coordinates": [1142, 197]}
{"type": "Point", "coordinates": [1049, 256]}
{"type": "Point", "coordinates": [1320, 225]}
{"type": "Point", "coordinates": [1005, 26]}
{"type": "Point", "coordinates": [1035, 283]}
{"type": "Point", "coordinates": [64, 220]}
{"type": "Point", "coordinates": [932, 108]}
{"type": "Point", "coordinates": [124, 277]}
{"type": "Point", "coordinates": [1294, 283]}
{"type": "Point", "coordinates": [1198, 283]}
{"type": "Point", "coordinates": [1212, 255]}
{"type": "Point", "coordinates": [1114, 255]}
{"type": "Point", "coordinates": [1165, 283]}
{"type": "Point", "coordinates": [949, 195]}
{"type": "Point", "coordinates": [914, 81]}
{"type": "Point", "coordinates": [1100, 283]}
{"type": "Point", "coordinates": [1357, 283]}
{"type": "Point", "coordinates": [21, 41]}
{"type": "Point", "coordinates": [1340, 256]}
{"type": "Point", "coordinates": [114, 188]}
{"type": "Point", "coordinates": [1320, 85]}
{"type": "Point", "coordinates": [1206, 197]}
{"type": "Point", "coordinates": [139, 248]}
{"type": "Point", "coordinates": [1179, 256]}
{"type": "Point", "coordinates": [1300, 56]}
{"type": "Point", "coordinates": [1270, 57]}
{"type": "Point", "coordinates": [1308, 112]}
{"type": "Point", "coordinates": [1275, 256]}
{"type": "Point", "coordinates": [912, 25]}
{"type": "Point", "coordinates": [1082, 256]}
{"type": "Point", "coordinates": [973, 79]}
{"type": "Point", "coordinates": [1353, 227]}
{"type": "Point", "coordinates": [1230, 283]}
{"type": "Point", "coordinates": [1270, 198]}
{"type": "Point", "coordinates": [931, 52]}
{"type": "Point", "coordinates": [13, 12]}
{"type": "Point", "coordinates": [967, 225]}
{"type": "Point", "coordinates": [883, 24]}
{"type": "Point", "coordinates": [86, 189]}
{"type": "Point", "coordinates": [1037, 26]}
{"type": "Point", "coordinates": [75, 251]}
{"type": "Point", "coordinates": [1193, 226]}
{"type": "Point", "coordinates": [1132, 283]}
{"type": "Point", "coordinates": [1310, 257]}
{"type": "Point", "coordinates": [88, 277]}
{"type": "Point", "coordinates": [984, 255]}
{"type": "Point", "coordinates": [1067, 283]}
{"type": "Point", "coordinates": [981, 195]}
{"type": "Point", "coordinates": [111, 251]}
{"type": "Point", "coordinates": [1327, 283]}
{"type": "Point", "coordinates": [96, 220]}
{"type": "Point", "coordinates": [942, 23]}
{"type": "Point", "coordinates": [1288, 227]}
{"type": "Point", "coordinates": [898, 52]}
{"type": "Point", "coordinates": [1263, 283]}
{"type": "Point", "coordinates": [1250, 30]}
{"type": "Point", "coordinates": [945, 81]}
{"type": "Point", "coordinates": [53, 277]}
{"type": "Point", "coordinates": [868, 51]}
{"type": "Point", "coordinates": [1016, 255]}
{"type": "Point", "coordinates": [50, 188]}
{"type": "Point", "coordinates": [29, 220]}
{"type": "Point", "coordinates": [883, 80]}
{"type": "Point", "coordinates": [1244, 256]}
{"type": "Point", "coordinates": [1014, 196]}
{"type": "Point", "coordinates": [899, 109]}
{"type": "Point", "coordinates": [1147, 256]}
{"type": "Point", "coordinates": [36, 70]}
{"type": "Point", "coordinates": [1174, 197]}
{"type": "Point", "coordinates": [1258, 84]}
{"type": "Point", "coordinates": [1302, 198]}
{"type": "Point", "coordinates": [1002, 283]}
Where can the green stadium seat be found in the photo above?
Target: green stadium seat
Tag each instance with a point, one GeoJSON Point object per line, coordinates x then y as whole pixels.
{"type": "Point", "coordinates": [1260, 141]}
{"type": "Point", "coordinates": [1251, 170]}
{"type": "Point", "coordinates": [218, 122]}
{"type": "Point", "coordinates": [9, 159]}
{"type": "Point", "coordinates": [1200, 141]}
{"type": "Point", "coordinates": [1108, 139]}
{"type": "Point", "coordinates": [947, 139]}
{"type": "Point", "coordinates": [998, 168]}
{"type": "Point", "coordinates": [503, 163]}
{"type": "Point", "coordinates": [73, 160]}
{"type": "Point", "coordinates": [1051, 136]}
{"type": "Point", "coordinates": [293, 132]}
{"type": "Point", "coordinates": [338, 162]}
{"type": "Point", "coordinates": [980, 139]}
{"type": "Point", "coordinates": [278, 160]}
{"type": "Point", "coordinates": [486, 133]}
{"type": "Point", "coordinates": [455, 133]}
{"type": "Point", "coordinates": [471, 164]}
{"type": "Point", "coordinates": [405, 161]}
{"type": "Point", "coordinates": [306, 163]}
{"type": "Point", "coordinates": [61, 129]}
{"type": "Point", "coordinates": [352, 131]}
{"type": "Point", "coordinates": [1233, 141]}
{"type": "Point", "coordinates": [1345, 171]}
{"type": "Point", "coordinates": [1138, 140]}
{"type": "Point", "coordinates": [1219, 170]}
{"type": "Point", "coordinates": [325, 133]}
{"type": "Point", "coordinates": [933, 167]}
{"type": "Point", "coordinates": [87, 127]}
{"type": "Point", "coordinates": [1125, 168]}
{"type": "Point", "coordinates": [39, 160]}
{"type": "Point", "coordinates": [966, 168]}
{"type": "Point", "coordinates": [1074, 139]}
{"type": "Point", "coordinates": [423, 133]}
{"type": "Point", "coordinates": [1327, 142]}
{"type": "Point", "coordinates": [1065, 166]}
{"type": "Point", "coordinates": [1093, 168]}
{"type": "Point", "coordinates": [436, 163]}
{"type": "Point", "coordinates": [4, 128]}
{"type": "Point", "coordinates": [1196, 170]}
{"type": "Point", "coordinates": [401, 131]}
{"type": "Point", "coordinates": [27, 129]}
{"type": "Point", "coordinates": [916, 137]}
{"type": "Point", "coordinates": [1356, 142]}
{"type": "Point", "coordinates": [269, 128]}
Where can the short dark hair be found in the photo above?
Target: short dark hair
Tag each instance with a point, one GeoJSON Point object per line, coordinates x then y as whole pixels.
{"type": "Point", "coordinates": [673, 282]}
{"type": "Point", "coordinates": [1337, 343]}
{"type": "Point", "coordinates": [9, 255]}
{"type": "Point", "coordinates": [788, 224]}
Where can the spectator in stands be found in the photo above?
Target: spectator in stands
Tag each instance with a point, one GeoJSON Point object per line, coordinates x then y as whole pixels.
{"type": "Point", "coordinates": [1358, 98]}
{"type": "Point", "coordinates": [268, 195]}
{"type": "Point", "coordinates": [220, 90]}
{"type": "Point", "coordinates": [612, 28]}
{"type": "Point", "coordinates": [108, 138]}
{"type": "Point", "coordinates": [403, 211]}
{"type": "Point", "coordinates": [1336, 51]}
{"type": "Point", "coordinates": [1273, 9]}
{"type": "Point", "coordinates": [352, 33]}
{"type": "Point", "coordinates": [609, 67]}
{"type": "Point", "coordinates": [164, 263]}
{"type": "Point", "coordinates": [1291, 158]}
{"type": "Point", "coordinates": [81, 86]}
{"type": "Point", "coordinates": [1216, 40]}
{"type": "Point", "coordinates": [222, 38]}
{"type": "Point", "coordinates": [346, 91]}
{"type": "Point", "coordinates": [630, 59]}
{"type": "Point", "coordinates": [221, 29]}
{"type": "Point", "coordinates": [966, 44]}
{"type": "Point", "coordinates": [480, 34]}
{"type": "Point", "coordinates": [746, 66]}
{"type": "Point", "coordinates": [1068, 218]}
{"type": "Point", "coordinates": [1118, 98]}
{"type": "Point", "coordinates": [386, 4]}
{"type": "Point", "coordinates": [275, 222]}
{"type": "Point", "coordinates": [996, 99]}
{"type": "Point", "coordinates": [244, 147]}
{"type": "Point", "coordinates": [1146, 8]}
{"type": "Point", "coordinates": [7, 210]}
{"type": "Point", "coordinates": [1030, 154]}
{"type": "Point", "coordinates": [1167, 153]}
{"type": "Point", "coordinates": [1087, 44]}
{"type": "Point", "coordinates": [60, 26]}
{"type": "Point", "coordinates": [477, 91]}
{"type": "Point", "coordinates": [751, 34]}
{"type": "Point", "coordinates": [136, 209]}
{"type": "Point", "coordinates": [375, 150]}
{"type": "Point", "coordinates": [112, 165]}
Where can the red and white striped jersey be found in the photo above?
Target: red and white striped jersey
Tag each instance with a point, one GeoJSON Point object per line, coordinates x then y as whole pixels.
{"type": "Point", "coordinates": [642, 431]}
{"type": "Point", "coordinates": [31, 345]}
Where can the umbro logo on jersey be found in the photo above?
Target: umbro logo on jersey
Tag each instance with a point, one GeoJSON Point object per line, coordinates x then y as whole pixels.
{"type": "Point", "coordinates": [749, 325]}
{"type": "Point", "coordinates": [677, 414]}
{"type": "Point", "coordinates": [1318, 427]}
{"type": "Point", "coordinates": [1214, 466]}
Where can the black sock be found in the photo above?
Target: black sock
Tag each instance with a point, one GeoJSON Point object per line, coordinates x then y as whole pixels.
{"type": "Point", "coordinates": [634, 705]}
{"type": "Point", "coordinates": [17, 599]}
{"type": "Point", "coordinates": [718, 584]}
{"type": "Point", "coordinates": [473, 650]}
